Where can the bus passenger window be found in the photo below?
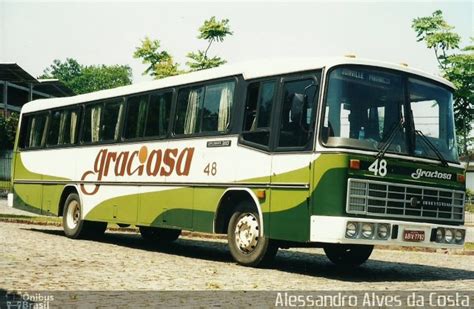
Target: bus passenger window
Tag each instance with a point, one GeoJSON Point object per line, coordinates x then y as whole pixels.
{"type": "Point", "coordinates": [53, 131]}
{"type": "Point", "coordinates": [258, 110]}
{"type": "Point", "coordinates": [204, 109]}
{"type": "Point", "coordinates": [158, 114]}
{"type": "Point", "coordinates": [136, 114]}
{"type": "Point", "coordinates": [69, 127]}
{"type": "Point", "coordinates": [148, 115]}
{"type": "Point", "coordinates": [63, 127]}
{"type": "Point", "coordinates": [250, 113]}
{"type": "Point", "coordinates": [110, 121]}
{"type": "Point", "coordinates": [24, 132]}
{"type": "Point", "coordinates": [188, 109]}
{"type": "Point", "coordinates": [91, 129]}
{"type": "Point", "coordinates": [37, 130]}
{"type": "Point", "coordinates": [217, 107]}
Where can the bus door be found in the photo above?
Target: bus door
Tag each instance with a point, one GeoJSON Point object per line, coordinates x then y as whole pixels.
{"type": "Point", "coordinates": [291, 162]}
{"type": "Point", "coordinates": [30, 191]}
{"type": "Point", "coordinates": [252, 161]}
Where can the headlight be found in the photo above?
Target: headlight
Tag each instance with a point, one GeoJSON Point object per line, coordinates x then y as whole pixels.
{"type": "Point", "coordinates": [383, 231]}
{"type": "Point", "coordinates": [439, 235]}
{"type": "Point", "coordinates": [448, 235]}
{"type": "Point", "coordinates": [459, 235]}
{"type": "Point", "coordinates": [367, 230]}
{"type": "Point", "coordinates": [351, 229]}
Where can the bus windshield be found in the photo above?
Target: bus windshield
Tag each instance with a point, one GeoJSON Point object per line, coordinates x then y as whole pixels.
{"type": "Point", "coordinates": [365, 106]}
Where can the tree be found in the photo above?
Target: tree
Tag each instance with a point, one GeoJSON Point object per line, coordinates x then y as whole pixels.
{"type": "Point", "coordinates": [64, 71]}
{"type": "Point", "coordinates": [456, 67]}
{"type": "Point", "coordinates": [8, 127]}
{"type": "Point", "coordinates": [83, 79]}
{"type": "Point", "coordinates": [160, 63]}
{"type": "Point", "coordinates": [460, 71]}
{"type": "Point", "coordinates": [212, 31]}
{"type": "Point", "coordinates": [94, 78]}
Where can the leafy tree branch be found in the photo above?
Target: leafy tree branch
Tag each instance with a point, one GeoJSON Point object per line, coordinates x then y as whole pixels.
{"type": "Point", "coordinates": [456, 65]}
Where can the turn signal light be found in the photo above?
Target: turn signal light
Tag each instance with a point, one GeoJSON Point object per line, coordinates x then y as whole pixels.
{"type": "Point", "coordinates": [461, 178]}
{"type": "Point", "coordinates": [354, 164]}
{"type": "Point", "coordinates": [261, 194]}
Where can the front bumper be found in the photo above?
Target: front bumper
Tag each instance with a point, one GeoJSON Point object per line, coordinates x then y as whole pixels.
{"type": "Point", "coordinates": [327, 229]}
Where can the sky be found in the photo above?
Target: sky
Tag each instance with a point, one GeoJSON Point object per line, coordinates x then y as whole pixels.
{"type": "Point", "coordinates": [34, 33]}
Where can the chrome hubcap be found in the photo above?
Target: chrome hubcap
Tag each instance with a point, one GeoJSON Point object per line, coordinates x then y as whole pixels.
{"type": "Point", "coordinates": [73, 214]}
{"type": "Point", "coordinates": [246, 233]}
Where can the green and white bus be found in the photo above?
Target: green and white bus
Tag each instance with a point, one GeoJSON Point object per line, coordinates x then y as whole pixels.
{"type": "Point", "coordinates": [341, 154]}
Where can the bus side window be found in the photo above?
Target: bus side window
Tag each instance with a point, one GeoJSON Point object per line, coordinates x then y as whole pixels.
{"type": "Point", "coordinates": [217, 107]}
{"type": "Point", "coordinates": [69, 127]}
{"type": "Point", "coordinates": [158, 114]}
{"type": "Point", "coordinates": [136, 114]}
{"type": "Point", "coordinates": [258, 111]}
{"type": "Point", "coordinates": [91, 128]}
{"type": "Point", "coordinates": [297, 113]}
{"type": "Point", "coordinates": [37, 131]}
{"type": "Point", "coordinates": [102, 121]}
{"type": "Point", "coordinates": [24, 132]}
{"type": "Point", "coordinates": [204, 109]}
{"type": "Point", "coordinates": [110, 124]}
{"type": "Point", "coordinates": [53, 131]}
{"type": "Point", "coordinates": [148, 115]}
{"type": "Point", "coordinates": [188, 109]}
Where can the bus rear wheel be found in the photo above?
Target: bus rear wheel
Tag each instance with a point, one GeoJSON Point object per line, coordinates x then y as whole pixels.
{"type": "Point", "coordinates": [246, 245]}
{"type": "Point", "coordinates": [348, 255]}
{"type": "Point", "coordinates": [159, 235]}
{"type": "Point", "coordinates": [73, 224]}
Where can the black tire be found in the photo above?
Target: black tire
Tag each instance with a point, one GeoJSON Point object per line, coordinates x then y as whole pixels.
{"type": "Point", "coordinates": [348, 255]}
{"type": "Point", "coordinates": [158, 235]}
{"type": "Point", "coordinates": [259, 251]}
{"type": "Point", "coordinates": [73, 225]}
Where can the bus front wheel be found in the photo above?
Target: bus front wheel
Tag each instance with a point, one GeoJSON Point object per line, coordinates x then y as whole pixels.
{"type": "Point", "coordinates": [246, 245]}
{"type": "Point", "coordinates": [73, 224]}
{"type": "Point", "coordinates": [347, 254]}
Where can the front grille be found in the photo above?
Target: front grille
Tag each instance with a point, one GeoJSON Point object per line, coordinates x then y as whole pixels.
{"type": "Point", "coordinates": [384, 199]}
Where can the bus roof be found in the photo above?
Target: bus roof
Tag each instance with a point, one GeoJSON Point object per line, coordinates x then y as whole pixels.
{"type": "Point", "coordinates": [249, 70]}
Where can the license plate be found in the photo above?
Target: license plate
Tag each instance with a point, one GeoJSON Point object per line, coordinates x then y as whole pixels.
{"type": "Point", "coordinates": [414, 235]}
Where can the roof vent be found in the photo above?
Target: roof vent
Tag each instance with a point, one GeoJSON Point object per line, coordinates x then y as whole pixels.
{"type": "Point", "coordinates": [404, 64]}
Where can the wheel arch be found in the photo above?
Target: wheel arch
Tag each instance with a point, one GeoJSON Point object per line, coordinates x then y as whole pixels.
{"type": "Point", "coordinates": [227, 204]}
{"type": "Point", "coordinates": [68, 189]}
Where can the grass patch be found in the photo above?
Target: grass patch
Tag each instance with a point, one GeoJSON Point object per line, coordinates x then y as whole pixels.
{"type": "Point", "coordinates": [469, 246]}
{"type": "Point", "coordinates": [470, 207]}
{"type": "Point", "coordinates": [5, 185]}
{"type": "Point", "coordinates": [31, 219]}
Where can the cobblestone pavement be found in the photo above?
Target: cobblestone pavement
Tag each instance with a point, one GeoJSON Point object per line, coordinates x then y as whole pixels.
{"type": "Point", "coordinates": [35, 257]}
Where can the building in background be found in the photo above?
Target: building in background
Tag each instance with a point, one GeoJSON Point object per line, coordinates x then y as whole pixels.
{"type": "Point", "coordinates": [468, 162]}
{"type": "Point", "coordinates": [18, 87]}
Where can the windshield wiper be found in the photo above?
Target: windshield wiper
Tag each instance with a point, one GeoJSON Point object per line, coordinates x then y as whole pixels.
{"type": "Point", "coordinates": [391, 136]}
{"type": "Point", "coordinates": [432, 147]}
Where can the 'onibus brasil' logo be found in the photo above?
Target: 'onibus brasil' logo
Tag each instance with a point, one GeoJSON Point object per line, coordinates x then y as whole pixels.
{"type": "Point", "coordinates": [139, 162]}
